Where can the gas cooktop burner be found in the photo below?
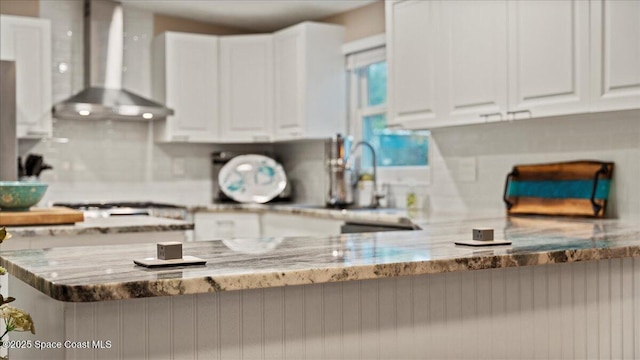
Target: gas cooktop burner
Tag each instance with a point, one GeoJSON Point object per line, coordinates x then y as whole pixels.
{"type": "Point", "coordinates": [114, 205]}
{"type": "Point", "coordinates": [127, 208]}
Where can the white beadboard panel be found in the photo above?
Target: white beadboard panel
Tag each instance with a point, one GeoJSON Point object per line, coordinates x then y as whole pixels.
{"type": "Point", "coordinates": [615, 296]}
{"type": "Point", "coordinates": [437, 326]}
{"type": "Point", "coordinates": [387, 318]}
{"type": "Point", "coordinates": [230, 319]}
{"type": "Point", "coordinates": [554, 325]}
{"type": "Point", "coordinates": [313, 321]}
{"type": "Point", "coordinates": [207, 326]}
{"type": "Point", "coordinates": [453, 313]}
{"type": "Point", "coordinates": [421, 314]}
{"type": "Point", "coordinates": [351, 322]}
{"type": "Point", "coordinates": [483, 313]}
{"type": "Point", "coordinates": [183, 329]}
{"type": "Point", "coordinates": [579, 303]}
{"type": "Point", "coordinates": [132, 339]}
{"type": "Point", "coordinates": [628, 337]}
{"type": "Point", "coordinates": [498, 314]}
{"type": "Point", "coordinates": [604, 309]}
{"type": "Point", "coordinates": [294, 322]}
{"type": "Point", "coordinates": [636, 306]}
{"type": "Point", "coordinates": [405, 336]}
{"type": "Point", "coordinates": [468, 312]}
{"type": "Point", "coordinates": [591, 283]}
{"type": "Point", "coordinates": [541, 313]}
{"type": "Point", "coordinates": [108, 329]}
{"type": "Point", "coordinates": [512, 327]}
{"type": "Point", "coordinates": [566, 318]}
{"type": "Point", "coordinates": [369, 319]}
{"type": "Point", "coordinates": [158, 327]}
{"type": "Point", "coordinates": [273, 323]}
{"type": "Point", "coordinates": [251, 326]}
{"type": "Point", "coordinates": [564, 311]}
{"type": "Point", "coordinates": [526, 313]}
{"type": "Point", "coordinates": [332, 319]}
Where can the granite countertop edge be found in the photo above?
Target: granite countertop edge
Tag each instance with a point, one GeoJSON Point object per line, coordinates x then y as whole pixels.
{"type": "Point", "coordinates": [269, 279]}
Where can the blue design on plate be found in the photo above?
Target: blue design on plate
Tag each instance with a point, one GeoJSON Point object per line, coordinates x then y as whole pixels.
{"type": "Point", "coordinates": [264, 175]}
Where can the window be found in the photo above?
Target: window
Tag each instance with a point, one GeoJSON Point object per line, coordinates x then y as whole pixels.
{"type": "Point", "coordinates": [399, 153]}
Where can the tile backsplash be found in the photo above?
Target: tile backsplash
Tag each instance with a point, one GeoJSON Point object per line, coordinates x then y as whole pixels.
{"type": "Point", "coordinates": [118, 160]}
{"type": "Point", "coordinates": [496, 148]}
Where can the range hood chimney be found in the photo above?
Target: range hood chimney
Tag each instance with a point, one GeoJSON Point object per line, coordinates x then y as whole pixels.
{"type": "Point", "coordinates": [103, 96]}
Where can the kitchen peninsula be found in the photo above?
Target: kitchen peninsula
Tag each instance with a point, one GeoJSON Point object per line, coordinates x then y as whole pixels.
{"type": "Point", "coordinates": [565, 288]}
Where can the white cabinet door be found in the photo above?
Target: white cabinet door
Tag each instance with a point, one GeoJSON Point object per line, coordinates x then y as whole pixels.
{"type": "Point", "coordinates": [310, 82]}
{"type": "Point", "coordinates": [186, 80]}
{"type": "Point", "coordinates": [411, 42]}
{"type": "Point", "coordinates": [289, 83]}
{"type": "Point", "coordinates": [246, 88]}
{"type": "Point", "coordinates": [225, 225]}
{"type": "Point", "coordinates": [27, 41]}
{"type": "Point", "coordinates": [615, 55]}
{"type": "Point", "coordinates": [277, 225]}
{"type": "Point", "coordinates": [472, 62]}
{"type": "Point", "coordinates": [548, 57]}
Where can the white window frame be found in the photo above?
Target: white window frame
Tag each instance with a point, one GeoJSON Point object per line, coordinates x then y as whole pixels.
{"type": "Point", "coordinates": [358, 54]}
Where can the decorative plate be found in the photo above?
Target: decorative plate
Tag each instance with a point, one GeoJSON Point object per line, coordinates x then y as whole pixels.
{"type": "Point", "coordinates": [252, 178]}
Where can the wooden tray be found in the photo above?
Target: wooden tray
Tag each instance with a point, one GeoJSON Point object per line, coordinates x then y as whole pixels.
{"type": "Point", "coordinates": [41, 216]}
{"type": "Point", "coordinates": [576, 188]}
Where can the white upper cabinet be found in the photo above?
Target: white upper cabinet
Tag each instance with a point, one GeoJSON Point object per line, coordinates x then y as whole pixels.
{"type": "Point", "coordinates": [548, 57]}
{"type": "Point", "coordinates": [615, 55]}
{"type": "Point", "coordinates": [472, 80]}
{"type": "Point", "coordinates": [186, 80]}
{"type": "Point", "coordinates": [246, 88]}
{"type": "Point", "coordinates": [27, 41]}
{"type": "Point", "coordinates": [411, 39]}
{"type": "Point", "coordinates": [309, 81]}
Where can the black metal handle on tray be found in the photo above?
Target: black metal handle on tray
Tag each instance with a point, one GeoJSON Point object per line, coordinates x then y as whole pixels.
{"type": "Point", "coordinates": [597, 207]}
{"type": "Point", "coordinates": [507, 182]}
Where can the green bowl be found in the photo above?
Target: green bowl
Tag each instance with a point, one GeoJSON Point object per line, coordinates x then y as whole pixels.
{"type": "Point", "coordinates": [20, 195]}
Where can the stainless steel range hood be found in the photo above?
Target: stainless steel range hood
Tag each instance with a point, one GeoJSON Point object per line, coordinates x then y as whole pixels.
{"type": "Point", "coordinates": [103, 96]}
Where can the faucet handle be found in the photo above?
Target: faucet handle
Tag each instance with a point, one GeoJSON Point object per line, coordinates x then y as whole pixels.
{"type": "Point", "coordinates": [375, 198]}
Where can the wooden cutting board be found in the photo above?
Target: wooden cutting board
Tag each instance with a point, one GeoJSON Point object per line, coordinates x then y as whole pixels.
{"type": "Point", "coordinates": [41, 216]}
{"type": "Point", "coordinates": [573, 188]}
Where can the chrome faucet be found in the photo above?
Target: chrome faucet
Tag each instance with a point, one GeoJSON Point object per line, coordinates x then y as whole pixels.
{"type": "Point", "coordinates": [375, 197]}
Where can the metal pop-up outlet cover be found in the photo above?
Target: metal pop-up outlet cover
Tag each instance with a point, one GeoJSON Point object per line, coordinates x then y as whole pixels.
{"type": "Point", "coordinates": [170, 250]}
{"type": "Point", "coordinates": [482, 237]}
{"type": "Point", "coordinates": [483, 234]}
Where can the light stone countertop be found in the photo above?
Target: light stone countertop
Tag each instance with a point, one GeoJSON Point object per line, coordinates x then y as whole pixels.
{"type": "Point", "coordinates": [413, 219]}
{"type": "Point", "coordinates": [410, 219]}
{"type": "Point", "coordinates": [84, 274]}
{"type": "Point", "coordinates": [108, 225]}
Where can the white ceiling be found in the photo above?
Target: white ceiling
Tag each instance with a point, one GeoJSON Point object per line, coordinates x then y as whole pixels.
{"type": "Point", "coordinates": [255, 15]}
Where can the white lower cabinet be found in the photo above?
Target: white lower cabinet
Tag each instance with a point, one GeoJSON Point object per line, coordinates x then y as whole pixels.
{"type": "Point", "coordinates": [276, 225]}
{"type": "Point", "coordinates": [27, 41]}
{"type": "Point", "coordinates": [226, 225]}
